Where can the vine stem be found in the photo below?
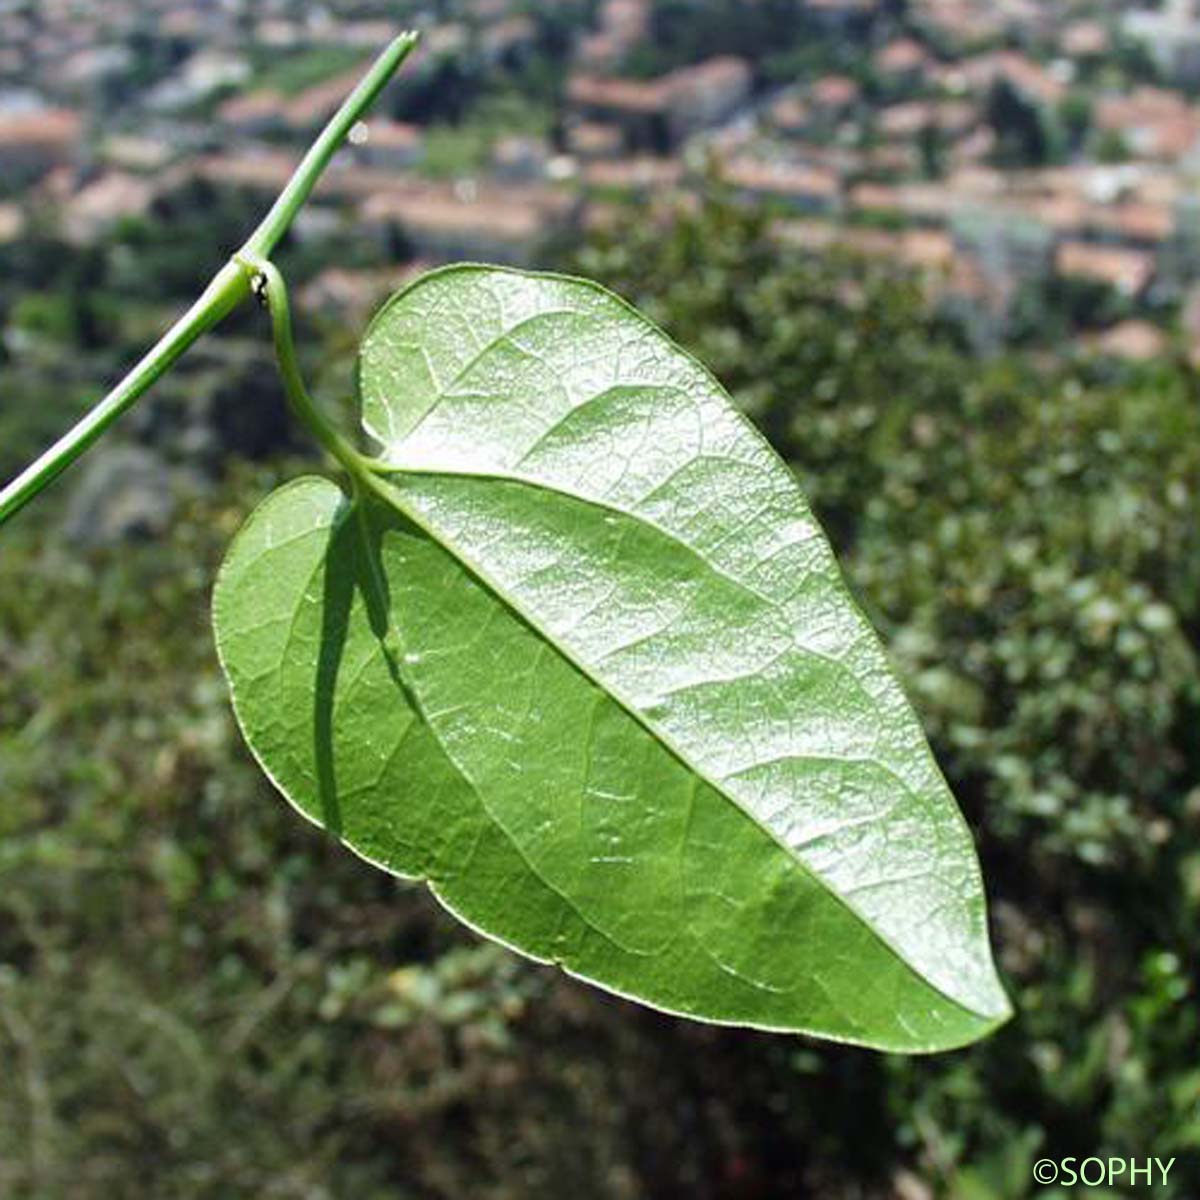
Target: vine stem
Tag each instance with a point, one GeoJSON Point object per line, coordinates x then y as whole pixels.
{"type": "Point", "coordinates": [227, 289]}
{"type": "Point", "coordinates": [266, 275]}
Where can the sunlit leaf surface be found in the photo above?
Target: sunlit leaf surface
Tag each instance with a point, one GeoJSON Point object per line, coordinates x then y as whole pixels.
{"type": "Point", "coordinates": [581, 657]}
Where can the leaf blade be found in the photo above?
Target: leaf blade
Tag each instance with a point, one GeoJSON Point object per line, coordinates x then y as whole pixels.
{"type": "Point", "coordinates": [527, 549]}
{"type": "Point", "coordinates": [603, 376]}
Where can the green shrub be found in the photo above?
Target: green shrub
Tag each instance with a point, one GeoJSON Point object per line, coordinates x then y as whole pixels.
{"type": "Point", "coordinates": [1028, 542]}
{"type": "Point", "coordinates": [201, 997]}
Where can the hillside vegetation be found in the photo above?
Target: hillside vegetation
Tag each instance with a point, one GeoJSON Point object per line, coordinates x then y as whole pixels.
{"type": "Point", "coordinates": [202, 997]}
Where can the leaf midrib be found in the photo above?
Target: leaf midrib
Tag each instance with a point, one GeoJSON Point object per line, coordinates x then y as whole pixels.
{"type": "Point", "coordinates": [676, 540]}
{"type": "Point", "coordinates": [517, 477]}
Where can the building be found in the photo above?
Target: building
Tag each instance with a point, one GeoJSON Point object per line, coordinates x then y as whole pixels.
{"type": "Point", "coordinates": [96, 208]}
{"type": "Point", "coordinates": [1171, 36]}
{"type": "Point", "coordinates": [1154, 123]}
{"type": "Point", "coordinates": [790, 115]}
{"type": "Point", "coordinates": [952, 118]}
{"type": "Point", "coordinates": [622, 24]}
{"type": "Point", "coordinates": [835, 96]}
{"type": "Point", "coordinates": [201, 77]}
{"type": "Point", "coordinates": [1137, 341]}
{"type": "Point", "coordinates": [807, 188]}
{"type": "Point", "coordinates": [1084, 40]}
{"type": "Point", "coordinates": [12, 223]}
{"type": "Point", "coordinates": [979, 73]}
{"type": "Point", "coordinates": [638, 108]}
{"type": "Point", "coordinates": [708, 93]}
{"type": "Point", "coordinates": [640, 175]}
{"type": "Point", "coordinates": [508, 42]}
{"type": "Point", "coordinates": [32, 141]}
{"type": "Point", "coordinates": [657, 114]}
{"type": "Point", "coordinates": [902, 62]}
{"type": "Point", "coordinates": [594, 139]}
{"type": "Point", "coordinates": [482, 222]}
{"type": "Point", "coordinates": [1127, 272]}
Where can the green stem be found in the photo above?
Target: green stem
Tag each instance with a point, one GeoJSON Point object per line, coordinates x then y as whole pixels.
{"type": "Point", "coordinates": [228, 288]}
{"type": "Point", "coordinates": [273, 226]}
{"type": "Point", "coordinates": [275, 292]}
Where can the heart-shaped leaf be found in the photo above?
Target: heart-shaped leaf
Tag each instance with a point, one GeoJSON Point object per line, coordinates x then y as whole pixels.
{"type": "Point", "coordinates": [577, 653]}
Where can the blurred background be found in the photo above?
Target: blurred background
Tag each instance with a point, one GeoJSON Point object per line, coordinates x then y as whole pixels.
{"type": "Point", "coordinates": [946, 253]}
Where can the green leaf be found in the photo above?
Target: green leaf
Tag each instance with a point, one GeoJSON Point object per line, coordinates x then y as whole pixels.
{"type": "Point", "coordinates": [577, 653]}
